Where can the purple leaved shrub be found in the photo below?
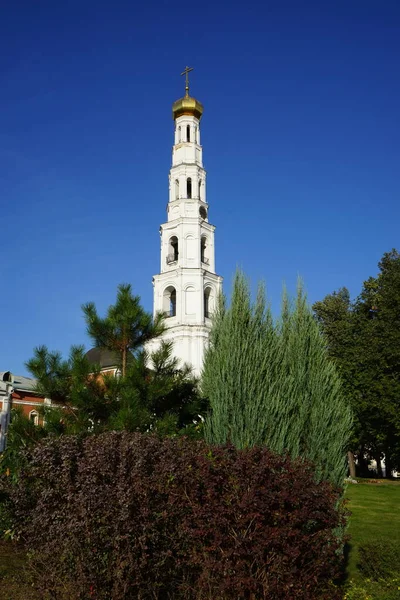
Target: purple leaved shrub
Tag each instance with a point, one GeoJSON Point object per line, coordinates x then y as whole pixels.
{"type": "Point", "coordinates": [120, 515]}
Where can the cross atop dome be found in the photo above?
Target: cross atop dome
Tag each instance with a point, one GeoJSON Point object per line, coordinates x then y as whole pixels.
{"type": "Point", "coordinates": [186, 72]}
{"type": "Point", "coordinates": [187, 105]}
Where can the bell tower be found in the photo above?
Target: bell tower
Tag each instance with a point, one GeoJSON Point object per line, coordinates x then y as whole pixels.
{"type": "Point", "coordinates": [187, 286]}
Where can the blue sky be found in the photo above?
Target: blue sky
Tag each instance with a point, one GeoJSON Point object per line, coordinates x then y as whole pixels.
{"type": "Point", "coordinates": [300, 136]}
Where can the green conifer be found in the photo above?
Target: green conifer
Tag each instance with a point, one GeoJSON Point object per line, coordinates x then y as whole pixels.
{"type": "Point", "coordinates": [273, 384]}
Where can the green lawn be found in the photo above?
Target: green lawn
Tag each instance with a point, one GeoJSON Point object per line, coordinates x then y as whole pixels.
{"type": "Point", "coordinates": [375, 515]}
{"type": "Point", "coordinates": [14, 581]}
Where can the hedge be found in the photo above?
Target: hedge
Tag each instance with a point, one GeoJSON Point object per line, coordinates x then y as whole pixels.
{"type": "Point", "coordinates": [121, 515]}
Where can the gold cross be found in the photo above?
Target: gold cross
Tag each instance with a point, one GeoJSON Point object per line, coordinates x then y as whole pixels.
{"type": "Point", "coordinates": [186, 72]}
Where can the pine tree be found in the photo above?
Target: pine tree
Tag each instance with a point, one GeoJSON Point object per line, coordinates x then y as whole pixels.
{"type": "Point", "coordinates": [158, 395]}
{"type": "Point", "coordinates": [86, 398]}
{"type": "Point", "coordinates": [151, 393]}
{"type": "Point", "coordinates": [126, 326]}
{"type": "Point", "coordinates": [273, 384]}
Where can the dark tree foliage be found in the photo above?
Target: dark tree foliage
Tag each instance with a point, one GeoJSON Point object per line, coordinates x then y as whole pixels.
{"type": "Point", "coordinates": [364, 339]}
{"type": "Point", "coordinates": [152, 392]}
{"type": "Point", "coordinates": [126, 326]}
{"type": "Point", "coordinates": [158, 395]}
{"type": "Point", "coordinates": [87, 399]}
{"type": "Point", "coordinates": [120, 516]}
{"type": "Point", "coordinates": [155, 393]}
{"type": "Point", "coordinates": [335, 317]}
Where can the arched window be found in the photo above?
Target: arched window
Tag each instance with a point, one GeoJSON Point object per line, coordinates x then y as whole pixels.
{"type": "Point", "coordinates": [200, 190]}
{"type": "Point", "coordinates": [189, 187]}
{"type": "Point", "coordinates": [195, 135]}
{"type": "Point", "coordinates": [173, 251]}
{"type": "Point", "coordinates": [188, 133]}
{"type": "Point", "coordinates": [34, 417]}
{"type": "Point", "coordinates": [207, 303]}
{"type": "Point", "coordinates": [176, 189]}
{"type": "Point", "coordinates": [179, 134]}
{"type": "Point", "coordinates": [203, 255]}
{"type": "Point", "coordinates": [172, 304]}
{"type": "Point", "coordinates": [169, 301]}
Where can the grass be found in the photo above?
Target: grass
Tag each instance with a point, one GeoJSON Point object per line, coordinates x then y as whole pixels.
{"type": "Point", "coordinates": [375, 516]}
{"type": "Point", "coordinates": [14, 581]}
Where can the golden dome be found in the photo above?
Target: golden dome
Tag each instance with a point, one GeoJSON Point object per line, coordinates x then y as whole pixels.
{"type": "Point", "coordinates": [187, 106]}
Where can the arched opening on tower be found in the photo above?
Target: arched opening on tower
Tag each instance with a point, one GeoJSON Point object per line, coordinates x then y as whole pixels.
{"type": "Point", "coordinates": [208, 302]}
{"type": "Point", "coordinates": [169, 301]}
{"type": "Point", "coordinates": [176, 189]}
{"type": "Point", "coordinates": [200, 190]}
{"type": "Point", "coordinates": [189, 187]}
{"type": "Point", "coordinates": [188, 133]}
{"type": "Point", "coordinates": [203, 250]}
{"type": "Point", "coordinates": [173, 250]}
{"type": "Point", "coordinates": [179, 134]}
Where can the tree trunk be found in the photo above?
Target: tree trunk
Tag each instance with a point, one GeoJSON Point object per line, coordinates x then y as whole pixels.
{"type": "Point", "coordinates": [352, 464]}
{"type": "Point", "coordinates": [124, 361]}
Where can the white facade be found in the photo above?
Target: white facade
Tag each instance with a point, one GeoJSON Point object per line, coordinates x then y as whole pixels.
{"type": "Point", "coordinates": [6, 389]}
{"type": "Point", "coordinates": [187, 285]}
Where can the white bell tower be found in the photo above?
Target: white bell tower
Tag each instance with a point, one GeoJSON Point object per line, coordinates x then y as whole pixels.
{"type": "Point", "coordinates": [187, 286]}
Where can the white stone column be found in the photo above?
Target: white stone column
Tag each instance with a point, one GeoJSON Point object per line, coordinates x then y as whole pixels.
{"type": "Point", "coordinates": [6, 390]}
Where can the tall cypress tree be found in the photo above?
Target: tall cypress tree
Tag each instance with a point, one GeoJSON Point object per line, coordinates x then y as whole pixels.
{"type": "Point", "coordinates": [273, 384]}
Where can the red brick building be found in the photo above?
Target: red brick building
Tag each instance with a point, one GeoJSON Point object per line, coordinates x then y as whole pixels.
{"type": "Point", "coordinates": [17, 391]}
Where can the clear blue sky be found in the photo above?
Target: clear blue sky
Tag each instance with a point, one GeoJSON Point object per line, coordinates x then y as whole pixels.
{"type": "Point", "coordinates": [300, 136]}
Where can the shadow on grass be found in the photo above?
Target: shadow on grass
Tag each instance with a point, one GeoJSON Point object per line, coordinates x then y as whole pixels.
{"type": "Point", "coordinates": [344, 575]}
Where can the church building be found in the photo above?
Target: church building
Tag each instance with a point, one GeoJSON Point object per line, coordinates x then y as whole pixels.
{"type": "Point", "coordinates": [187, 286]}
